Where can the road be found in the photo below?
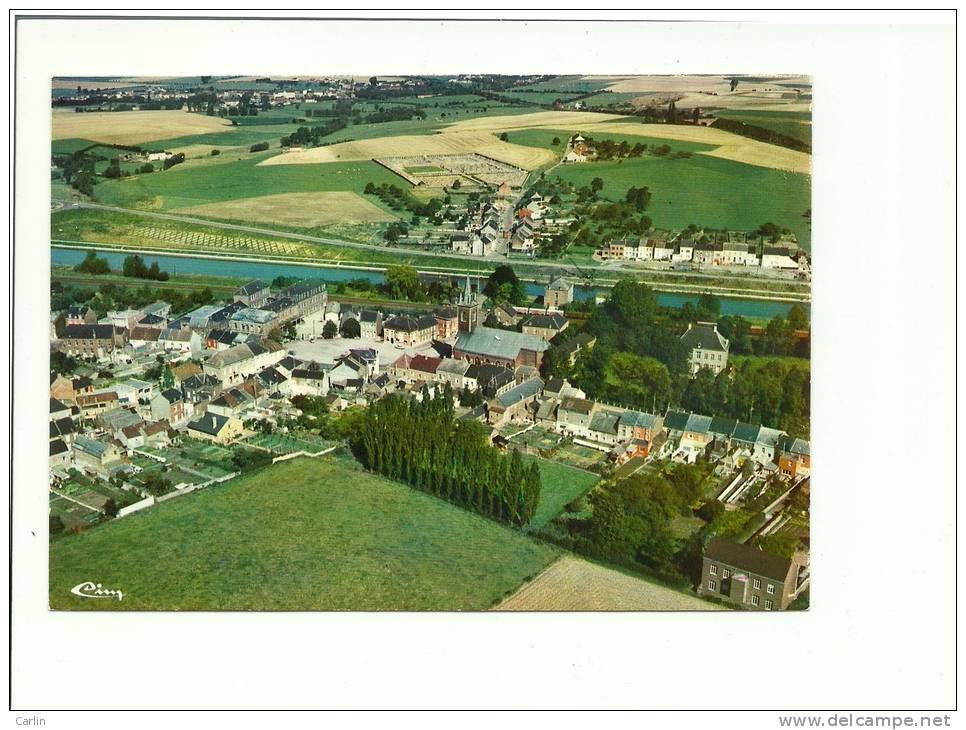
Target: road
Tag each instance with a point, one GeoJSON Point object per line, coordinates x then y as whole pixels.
{"type": "Point", "coordinates": [552, 267]}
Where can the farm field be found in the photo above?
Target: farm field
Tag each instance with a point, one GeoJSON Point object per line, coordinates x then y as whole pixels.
{"type": "Point", "coordinates": [446, 143]}
{"type": "Point", "coordinates": [707, 191]}
{"type": "Point", "coordinates": [309, 210]}
{"type": "Point", "coordinates": [721, 144]}
{"type": "Point", "coordinates": [797, 125]}
{"type": "Point", "coordinates": [302, 535]}
{"type": "Point", "coordinates": [572, 584]}
{"type": "Point", "coordinates": [214, 183]}
{"type": "Point", "coordinates": [132, 128]}
{"type": "Point", "coordinates": [561, 484]}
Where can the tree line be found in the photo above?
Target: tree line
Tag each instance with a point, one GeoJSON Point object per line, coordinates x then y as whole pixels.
{"type": "Point", "coordinates": [420, 443]}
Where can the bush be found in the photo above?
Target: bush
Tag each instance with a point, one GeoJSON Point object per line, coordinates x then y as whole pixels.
{"type": "Point", "coordinates": [258, 147]}
{"type": "Point", "coordinates": [215, 153]}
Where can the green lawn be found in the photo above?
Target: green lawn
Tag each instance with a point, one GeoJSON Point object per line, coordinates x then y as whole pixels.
{"type": "Point", "coordinates": [561, 485]}
{"type": "Point", "coordinates": [302, 535]}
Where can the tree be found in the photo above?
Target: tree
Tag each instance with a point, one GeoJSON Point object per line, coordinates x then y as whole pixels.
{"type": "Point", "coordinates": [457, 184]}
{"type": "Point", "coordinates": [504, 137]}
{"type": "Point", "coordinates": [503, 284]}
{"type": "Point", "coordinates": [93, 265]}
{"type": "Point", "coordinates": [350, 328]}
{"type": "Point", "coordinates": [61, 363]}
{"type": "Point", "coordinates": [596, 185]}
{"type": "Point", "coordinates": [403, 282]}
{"type": "Point", "coordinates": [330, 330]}
{"type": "Point", "coordinates": [555, 141]}
{"type": "Point", "coordinates": [110, 507]}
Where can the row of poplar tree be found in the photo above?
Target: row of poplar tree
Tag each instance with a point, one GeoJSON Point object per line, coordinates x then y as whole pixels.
{"type": "Point", "coordinates": [421, 443]}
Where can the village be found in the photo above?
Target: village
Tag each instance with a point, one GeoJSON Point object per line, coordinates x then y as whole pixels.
{"type": "Point", "coordinates": [164, 406]}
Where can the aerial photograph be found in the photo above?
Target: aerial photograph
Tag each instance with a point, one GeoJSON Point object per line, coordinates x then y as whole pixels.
{"type": "Point", "coordinates": [462, 342]}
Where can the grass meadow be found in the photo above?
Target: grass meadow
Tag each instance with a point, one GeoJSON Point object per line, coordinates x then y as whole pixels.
{"type": "Point", "coordinates": [302, 535]}
{"type": "Point", "coordinates": [561, 484]}
{"type": "Point", "coordinates": [707, 191]}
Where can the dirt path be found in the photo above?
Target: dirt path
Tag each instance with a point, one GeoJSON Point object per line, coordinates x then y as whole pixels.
{"type": "Point", "coordinates": [572, 584]}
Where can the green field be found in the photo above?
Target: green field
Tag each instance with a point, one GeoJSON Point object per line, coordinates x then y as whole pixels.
{"type": "Point", "coordinates": [707, 191]}
{"type": "Point", "coordinates": [302, 535]}
{"type": "Point", "coordinates": [792, 124]}
{"type": "Point", "coordinates": [185, 185]}
{"type": "Point", "coordinates": [561, 484]}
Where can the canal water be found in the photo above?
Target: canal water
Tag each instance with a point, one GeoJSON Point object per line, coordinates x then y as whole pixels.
{"type": "Point", "coordinates": [751, 308]}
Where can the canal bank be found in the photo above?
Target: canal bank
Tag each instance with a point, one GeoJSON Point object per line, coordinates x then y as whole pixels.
{"type": "Point", "coordinates": [252, 268]}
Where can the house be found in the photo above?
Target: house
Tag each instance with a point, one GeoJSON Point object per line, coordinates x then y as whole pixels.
{"type": "Point", "coordinates": [512, 404]}
{"type": "Point", "coordinates": [59, 453]}
{"type": "Point", "coordinates": [707, 348]}
{"type": "Point", "coordinates": [95, 456]}
{"type": "Point", "coordinates": [90, 404]}
{"type": "Point", "coordinates": [559, 291]}
{"type": "Point", "coordinates": [123, 319]}
{"type": "Point", "coordinates": [231, 403]}
{"type": "Point", "coordinates": [80, 314]}
{"type": "Point", "coordinates": [62, 428]}
{"type": "Point", "coordinates": [574, 415]}
{"type": "Point", "coordinates": [637, 425]}
{"type": "Point", "coordinates": [252, 294]}
{"type": "Point", "coordinates": [116, 419]}
{"type": "Point", "coordinates": [132, 437]}
{"type": "Point", "coordinates": [414, 368]}
{"type": "Point", "coordinates": [170, 405]}
{"type": "Point", "coordinates": [180, 339]}
{"type": "Point", "coordinates": [58, 410]}
{"type": "Point", "coordinates": [407, 331]}
{"type": "Point", "coordinates": [370, 324]}
{"type": "Point", "coordinates": [507, 315]}
{"type": "Point", "coordinates": [544, 326]}
{"type": "Point", "coordinates": [240, 361]}
{"type": "Point", "coordinates": [499, 347]}
{"type": "Point", "coordinates": [453, 372]}
{"type": "Point", "coordinates": [253, 321]}
{"type": "Point", "coordinates": [368, 357]}
{"type": "Point", "coordinates": [447, 323]}
{"type": "Point", "coordinates": [306, 297]}
{"type": "Point", "coordinates": [794, 459]}
{"type": "Point", "coordinates": [90, 340]}
{"type": "Point", "coordinates": [142, 336]}
{"type": "Point", "coordinates": [746, 576]}
{"type": "Point", "coordinates": [690, 431]}
{"type": "Point", "coordinates": [491, 380]}
{"type": "Point", "coordinates": [158, 309]}
{"type": "Point", "coordinates": [311, 379]}
{"type": "Point", "coordinates": [61, 388]}
{"type": "Point", "coordinates": [604, 426]}
{"type": "Point", "coordinates": [348, 367]}
{"type": "Point", "coordinates": [201, 318]}
{"type": "Point", "coordinates": [217, 428]}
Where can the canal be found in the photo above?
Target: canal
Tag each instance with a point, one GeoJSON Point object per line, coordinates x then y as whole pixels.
{"type": "Point", "coordinates": [749, 308]}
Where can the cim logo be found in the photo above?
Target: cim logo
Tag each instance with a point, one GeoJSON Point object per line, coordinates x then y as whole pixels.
{"type": "Point", "coordinates": [89, 589]}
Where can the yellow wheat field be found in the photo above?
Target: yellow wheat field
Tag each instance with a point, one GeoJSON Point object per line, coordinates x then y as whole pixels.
{"type": "Point", "coordinates": [446, 143]}
{"type": "Point", "coordinates": [572, 584]}
{"type": "Point", "coordinates": [729, 146]}
{"type": "Point", "coordinates": [295, 209]}
{"type": "Point", "coordinates": [133, 128]}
